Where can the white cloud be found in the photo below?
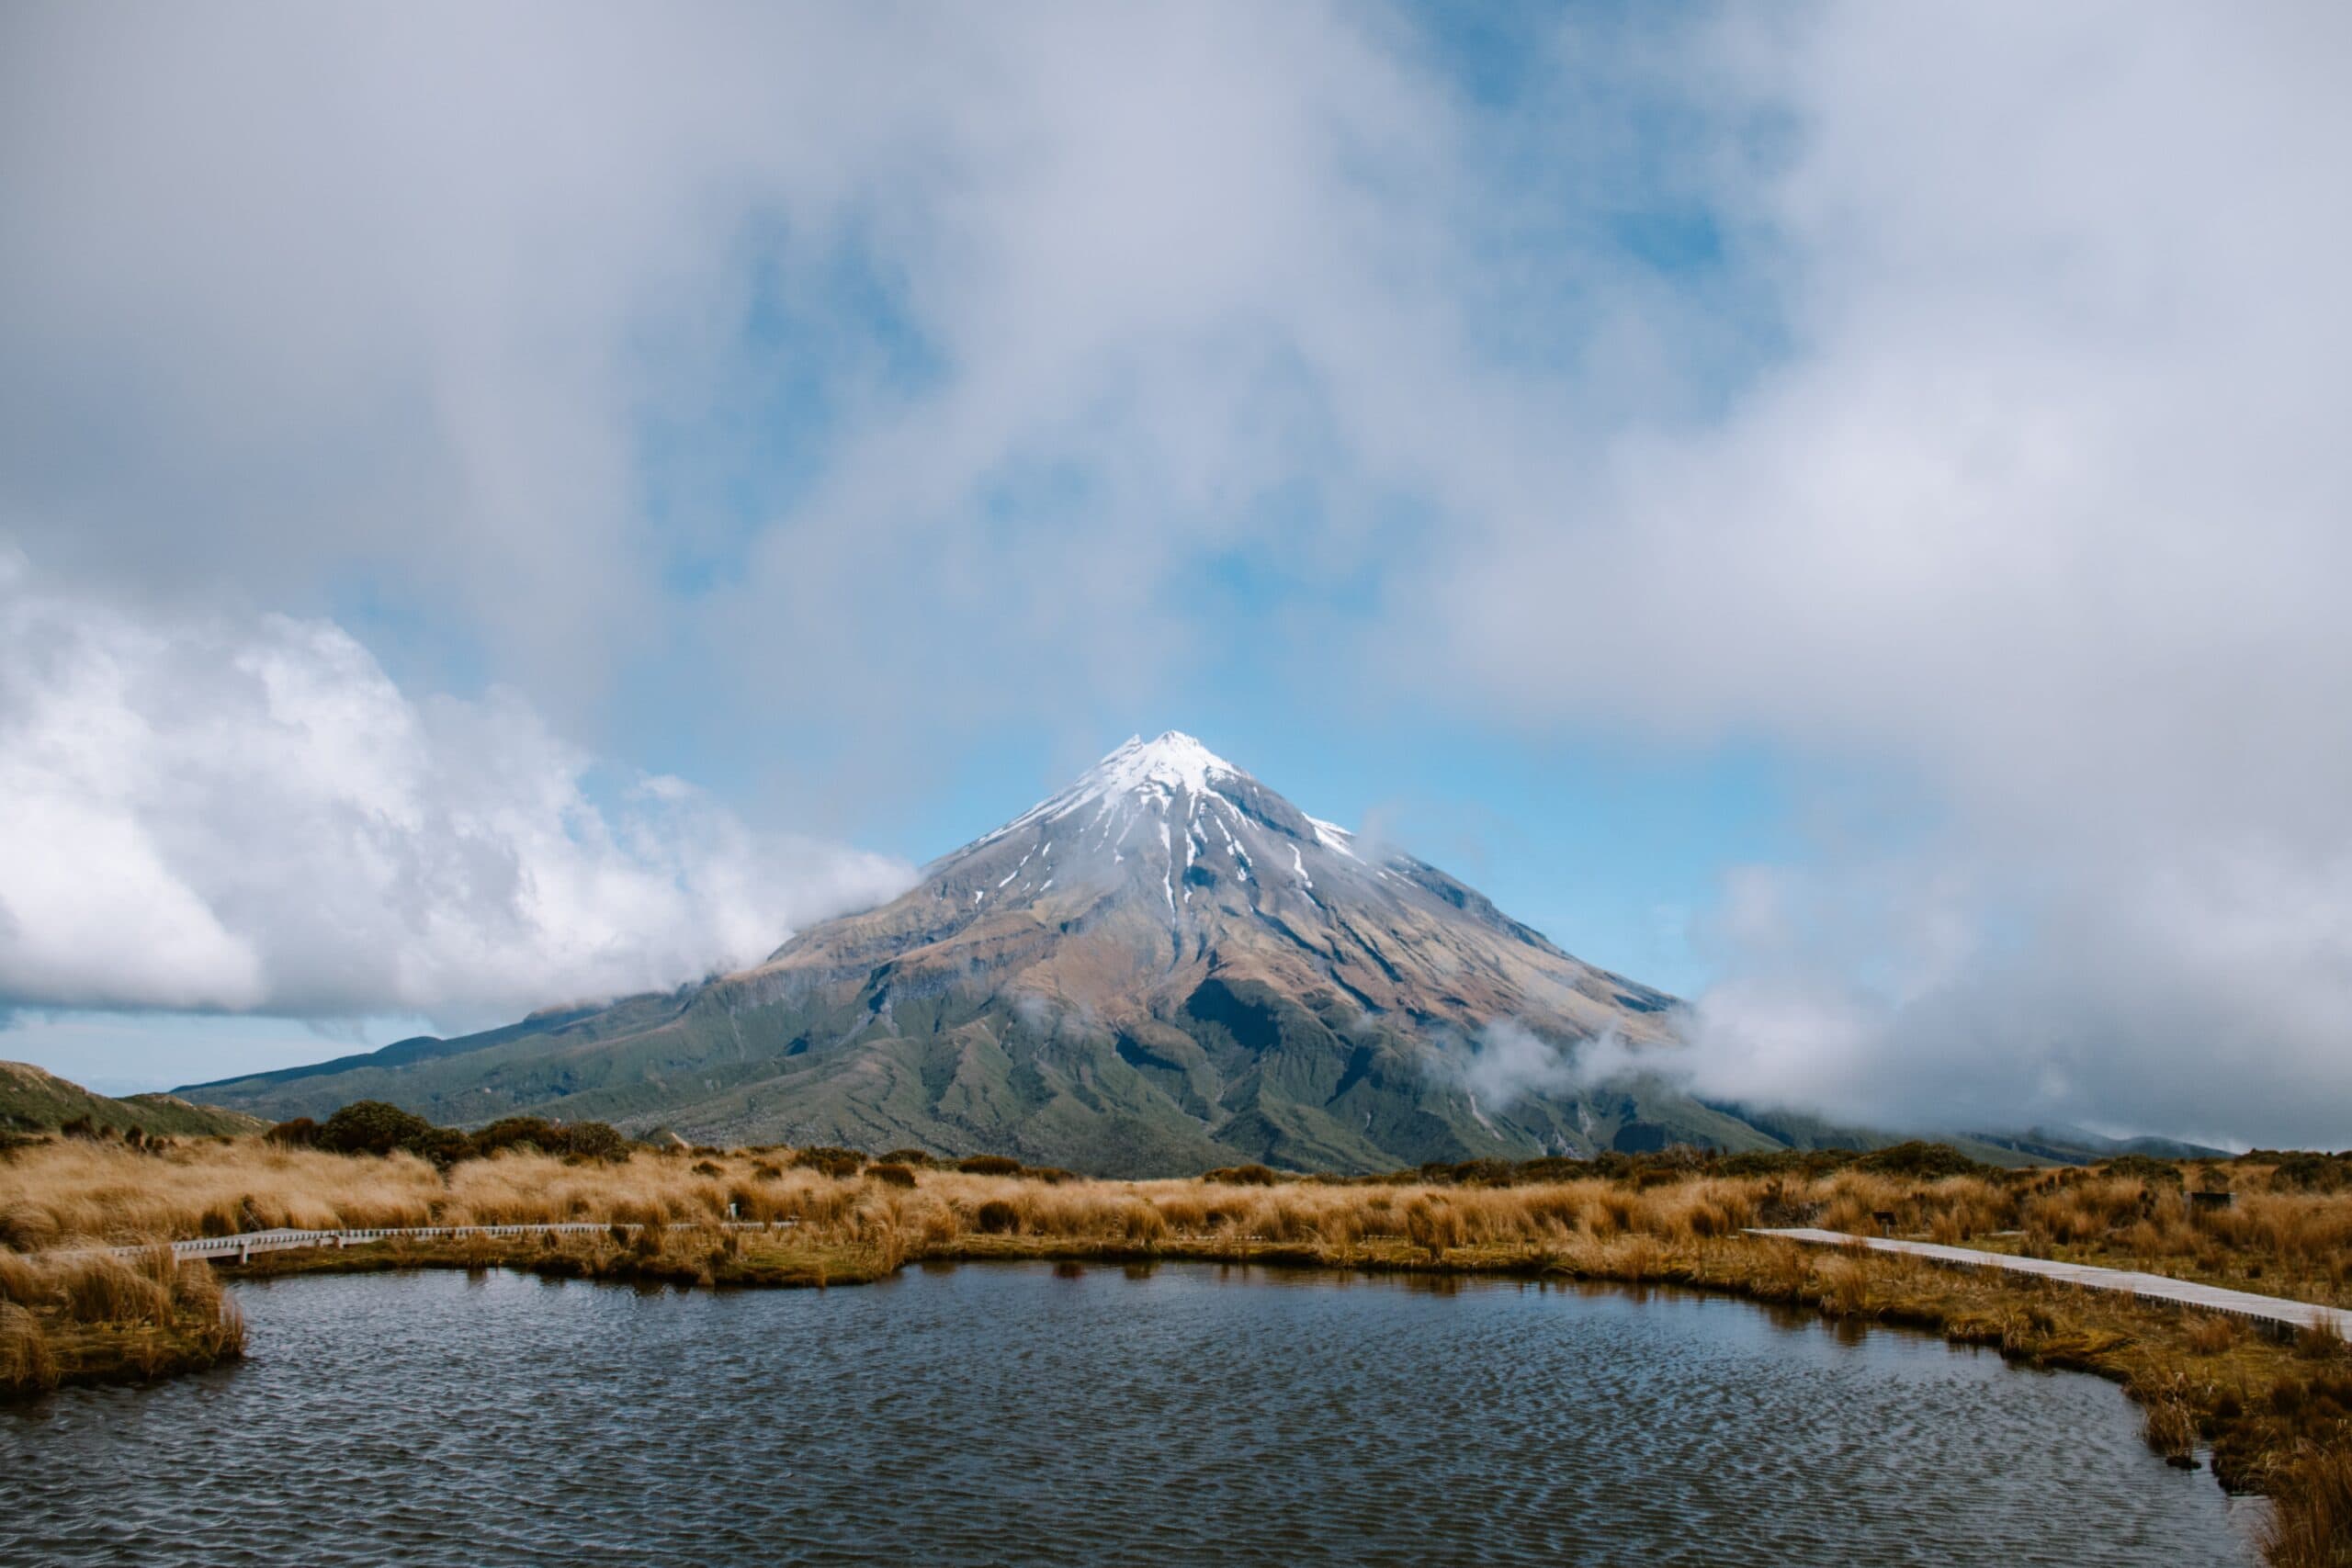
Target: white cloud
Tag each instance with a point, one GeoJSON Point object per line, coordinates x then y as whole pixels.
{"type": "Point", "coordinates": [1994, 454]}
{"type": "Point", "coordinates": [249, 815]}
{"type": "Point", "coordinates": [1507, 1061]}
{"type": "Point", "coordinates": [2040, 522]}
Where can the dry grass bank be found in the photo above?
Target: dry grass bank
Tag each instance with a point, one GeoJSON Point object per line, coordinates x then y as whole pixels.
{"type": "Point", "coordinates": [2277, 1416]}
{"type": "Point", "coordinates": [2280, 1241]}
{"type": "Point", "coordinates": [98, 1318]}
{"type": "Point", "coordinates": [2277, 1239]}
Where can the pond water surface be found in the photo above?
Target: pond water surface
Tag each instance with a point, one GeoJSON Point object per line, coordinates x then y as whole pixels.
{"type": "Point", "coordinates": [1011, 1414]}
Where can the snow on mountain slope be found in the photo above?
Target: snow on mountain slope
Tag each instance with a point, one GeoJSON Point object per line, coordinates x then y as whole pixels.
{"type": "Point", "coordinates": [1165, 863]}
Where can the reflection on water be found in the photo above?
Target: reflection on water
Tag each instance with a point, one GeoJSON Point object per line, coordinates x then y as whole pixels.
{"type": "Point", "coordinates": [1087, 1414]}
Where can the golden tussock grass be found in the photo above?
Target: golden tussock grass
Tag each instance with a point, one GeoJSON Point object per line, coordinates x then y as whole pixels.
{"type": "Point", "coordinates": [92, 1317]}
{"type": "Point", "coordinates": [2310, 1524]}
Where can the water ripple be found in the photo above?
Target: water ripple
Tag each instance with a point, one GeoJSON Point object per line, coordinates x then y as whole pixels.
{"type": "Point", "coordinates": [1013, 1414]}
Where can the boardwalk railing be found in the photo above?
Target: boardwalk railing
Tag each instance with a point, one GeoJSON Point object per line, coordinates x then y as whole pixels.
{"type": "Point", "coordinates": [2272, 1312]}
{"type": "Point", "coordinates": [243, 1245]}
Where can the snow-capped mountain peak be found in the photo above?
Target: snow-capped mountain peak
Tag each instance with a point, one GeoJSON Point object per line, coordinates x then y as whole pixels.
{"type": "Point", "coordinates": [1172, 761]}
{"type": "Point", "coordinates": [1163, 878]}
{"type": "Point", "coordinates": [1140, 774]}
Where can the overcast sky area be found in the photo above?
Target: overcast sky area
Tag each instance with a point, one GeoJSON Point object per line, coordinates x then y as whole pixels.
{"type": "Point", "coordinates": [1841, 511]}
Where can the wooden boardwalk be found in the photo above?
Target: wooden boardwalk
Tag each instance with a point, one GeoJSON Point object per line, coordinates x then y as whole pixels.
{"type": "Point", "coordinates": [243, 1245]}
{"type": "Point", "coordinates": [2270, 1311]}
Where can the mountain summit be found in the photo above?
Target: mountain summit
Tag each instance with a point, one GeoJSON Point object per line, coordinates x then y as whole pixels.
{"type": "Point", "coordinates": [1164, 967]}
{"type": "Point", "coordinates": [1165, 869]}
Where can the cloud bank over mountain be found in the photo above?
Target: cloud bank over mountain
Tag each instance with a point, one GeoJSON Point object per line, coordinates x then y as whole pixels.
{"type": "Point", "coordinates": [1947, 401]}
{"type": "Point", "coordinates": [2041, 520]}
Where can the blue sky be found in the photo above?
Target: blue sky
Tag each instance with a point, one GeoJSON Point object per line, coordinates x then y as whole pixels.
{"type": "Point", "coordinates": [1812, 509]}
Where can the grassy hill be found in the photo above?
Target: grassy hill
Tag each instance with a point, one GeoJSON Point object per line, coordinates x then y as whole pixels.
{"type": "Point", "coordinates": [33, 1099]}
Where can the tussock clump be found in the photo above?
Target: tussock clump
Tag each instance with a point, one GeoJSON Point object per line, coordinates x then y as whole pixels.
{"type": "Point", "coordinates": [21, 1282]}
{"type": "Point", "coordinates": [102, 1289]}
{"type": "Point", "coordinates": [890, 1175]}
{"type": "Point", "coordinates": [2211, 1334]}
{"type": "Point", "coordinates": [1843, 1288]}
{"type": "Point", "coordinates": [831, 1161]}
{"type": "Point", "coordinates": [28, 1227]}
{"type": "Point", "coordinates": [26, 1363]}
{"type": "Point", "coordinates": [2310, 1524]}
{"type": "Point", "coordinates": [1434, 1225]}
{"type": "Point", "coordinates": [2169, 1428]}
{"type": "Point", "coordinates": [93, 1317]}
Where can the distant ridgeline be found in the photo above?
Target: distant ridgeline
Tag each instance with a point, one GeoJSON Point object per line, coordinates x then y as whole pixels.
{"type": "Point", "coordinates": [32, 1101]}
{"type": "Point", "coordinates": [1166, 968]}
{"type": "Point", "coordinates": [37, 1101]}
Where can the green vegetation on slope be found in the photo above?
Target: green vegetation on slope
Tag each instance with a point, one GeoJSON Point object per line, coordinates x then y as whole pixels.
{"type": "Point", "coordinates": [33, 1100]}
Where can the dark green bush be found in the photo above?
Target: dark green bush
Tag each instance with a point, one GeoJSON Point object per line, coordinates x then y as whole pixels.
{"type": "Point", "coordinates": [2304, 1171]}
{"type": "Point", "coordinates": [2155, 1173]}
{"type": "Point", "coordinates": [378, 1127]}
{"type": "Point", "coordinates": [522, 1131]}
{"type": "Point", "coordinates": [1919, 1159]}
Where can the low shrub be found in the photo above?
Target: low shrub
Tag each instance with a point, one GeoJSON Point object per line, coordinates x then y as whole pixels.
{"type": "Point", "coordinates": [2302, 1171]}
{"type": "Point", "coordinates": [378, 1127]}
{"type": "Point", "coordinates": [833, 1162]}
{"type": "Point", "coordinates": [1916, 1159]}
{"type": "Point", "coordinates": [2140, 1167]}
